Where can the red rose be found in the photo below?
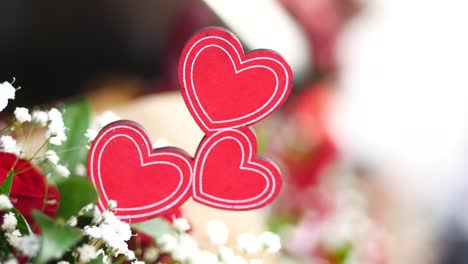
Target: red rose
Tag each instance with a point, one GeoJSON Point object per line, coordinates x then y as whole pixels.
{"type": "Point", "coordinates": [29, 190]}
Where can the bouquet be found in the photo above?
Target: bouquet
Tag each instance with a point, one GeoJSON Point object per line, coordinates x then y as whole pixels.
{"type": "Point", "coordinates": [47, 204]}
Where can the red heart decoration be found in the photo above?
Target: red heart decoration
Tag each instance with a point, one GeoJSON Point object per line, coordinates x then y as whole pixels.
{"type": "Point", "coordinates": [225, 88]}
{"type": "Point", "coordinates": [228, 175]}
{"type": "Point", "coordinates": [145, 183]}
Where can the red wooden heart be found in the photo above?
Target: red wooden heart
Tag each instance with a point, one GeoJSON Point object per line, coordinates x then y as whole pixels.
{"type": "Point", "coordinates": [145, 183]}
{"type": "Point", "coordinates": [225, 88]}
{"type": "Point", "coordinates": [228, 175]}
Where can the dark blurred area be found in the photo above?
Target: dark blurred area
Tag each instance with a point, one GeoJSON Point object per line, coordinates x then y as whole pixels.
{"type": "Point", "coordinates": [55, 48]}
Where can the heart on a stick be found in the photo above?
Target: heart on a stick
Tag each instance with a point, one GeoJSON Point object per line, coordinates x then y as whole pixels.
{"type": "Point", "coordinates": [228, 174]}
{"type": "Point", "coordinates": [145, 183]}
{"type": "Point", "coordinates": [223, 87]}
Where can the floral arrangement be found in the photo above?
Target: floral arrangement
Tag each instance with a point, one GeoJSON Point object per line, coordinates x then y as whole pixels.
{"type": "Point", "coordinates": [47, 205]}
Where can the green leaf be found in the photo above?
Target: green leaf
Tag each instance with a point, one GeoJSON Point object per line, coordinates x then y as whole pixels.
{"type": "Point", "coordinates": [22, 225]}
{"type": "Point", "coordinates": [56, 238]}
{"type": "Point", "coordinates": [6, 185]}
{"type": "Point", "coordinates": [155, 227]}
{"type": "Point", "coordinates": [75, 193]}
{"type": "Point", "coordinates": [98, 260]}
{"type": "Point", "coordinates": [73, 151]}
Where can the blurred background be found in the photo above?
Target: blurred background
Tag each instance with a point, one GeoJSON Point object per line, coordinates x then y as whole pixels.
{"type": "Point", "coordinates": [373, 141]}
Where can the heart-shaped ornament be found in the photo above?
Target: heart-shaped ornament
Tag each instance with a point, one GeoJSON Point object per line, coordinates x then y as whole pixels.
{"type": "Point", "coordinates": [229, 175]}
{"type": "Point", "coordinates": [145, 183]}
{"type": "Point", "coordinates": [225, 88]}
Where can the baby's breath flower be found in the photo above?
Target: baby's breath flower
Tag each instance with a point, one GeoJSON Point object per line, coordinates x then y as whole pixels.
{"type": "Point", "coordinates": [40, 117]}
{"type": "Point", "coordinates": [217, 232]}
{"type": "Point", "coordinates": [138, 262]}
{"type": "Point", "coordinates": [256, 261]}
{"type": "Point", "coordinates": [56, 128]}
{"type": "Point", "coordinates": [151, 254]}
{"type": "Point", "coordinates": [226, 254]}
{"type": "Point", "coordinates": [86, 253]}
{"type": "Point", "coordinates": [73, 221]}
{"type": "Point", "coordinates": [130, 255]}
{"type": "Point", "coordinates": [80, 170]}
{"type": "Point", "coordinates": [205, 257]}
{"type": "Point", "coordinates": [112, 204]}
{"type": "Point", "coordinates": [62, 170]}
{"type": "Point", "coordinates": [11, 261]}
{"type": "Point", "coordinates": [167, 242]}
{"type": "Point", "coordinates": [22, 115]}
{"type": "Point", "coordinates": [63, 262]}
{"type": "Point", "coordinates": [13, 237]}
{"type": "Point", "coordinates": [186, 249]}
{"type": "Point", "coordinates": [9, 222]}
{"type": "Point", "coordinates": [106, 118]}
{"type": "Point", "coordinates": [29, 245]}
{"type": "Point", "coordinates": [181, 224]}
{"type": "Point", "coordinates": [248, 243]}
{"type": "Point", "coordinates": [7, 91]}
{"type": "Point", "coordinates": [271, 242]}
{"type": "Point", "coordinates": [5, 202]}
{"type": "Point", "coordinates": [90, 134]}
{"type": "Point", "coordinates": [52, 157]}
{"type": "Point", "coordinates": [8, 144]}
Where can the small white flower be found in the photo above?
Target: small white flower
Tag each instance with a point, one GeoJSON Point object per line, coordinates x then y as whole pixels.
{"type": "Point", "coordinates": [226, 253]}
{"type": "Point", "coordinates": [40, 117]}
{"type": "Point", "coordinates": [7, 91]}
{"type": "Point", "coordinates": [205, 257]}
{"type": "Point", "coordinates": [151, 254]}
{"type": "Point", "coordinates": [248, 243]}
{"type": "Point", "coordinates": [52, 157]}
{"type": "Point", "coordinates": [56, 128]}
{"type": "Point", "coordinates": [22, 115]}
{"type": "Point", "coordinates": [73, 221]}
{"type": "Point", "coordinates": [8, 144]}
{"type": "Point", "coordinates": [130, 255]}
{"type": "Point", "coordinates": [9, 222]}
{"type": "Point", "coordinates": [138, 262]}
{"type": "Point", "coordinates": [11, 261]}
{"type": "Point", "coordinates": [106, 118]}
{"type": "Point", "coordinates": [29, 245]}
{"type": "Point", "coordinates": [80, 170]}
{"type": "Point", "coordinates": [86, 253]}
{"type": "Point", "coordinates": [63, 262]}
{"type": "Point", "coordinates": [91, 134]}
{"type": "Point", "coordinates": [217, 232]}
{"type": "Point", "coordinates": [13, 238]}
{"type": "Point", "coordinates": [167, 243]}
{"type": "Point", "coordinates": [160, 143]}
{"type": "Point", "coordinates": [93, 231]}
{"type": "Point", "coordinates": [111, 204]}
{"type": "Point", "coordinates": [62, 170]}
{"type": "Point", "coordinates": [186, 248]}
{"type": "Point", "coordinates": [271, 242]}
{"type": "Point", "coordinates": [256, 261]}
{"type": "Point", "coordinates": [5, 202]}
{"type": "Point", "coordinates": [181, 224]}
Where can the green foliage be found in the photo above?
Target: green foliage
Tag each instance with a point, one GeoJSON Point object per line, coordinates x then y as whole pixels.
{"type": "Point", "coordinates": [57, 238]}
{"type": "Point", "coordinates": [75, 193]}
{"type": "Point", "coordinates": [6, 185]}
{"type": "Point", "coordinates": [72, 152]}
{"type": "Point", "coordinates": [22, 225]}
{"type": "Point", "coordinates": [155, 228]}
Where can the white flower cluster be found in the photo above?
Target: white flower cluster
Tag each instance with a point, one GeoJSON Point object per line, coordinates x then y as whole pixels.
{"type": "Point", "coordinates": [28, 245]}
{"type": "Point", "coordinates": [7, 91]}
{"type": "Point", "coordinates": [101, 121]}
{"type": "Point", "coordinates": [113, 232]}
{"type": "Point", "coordinates": [183, 248]}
